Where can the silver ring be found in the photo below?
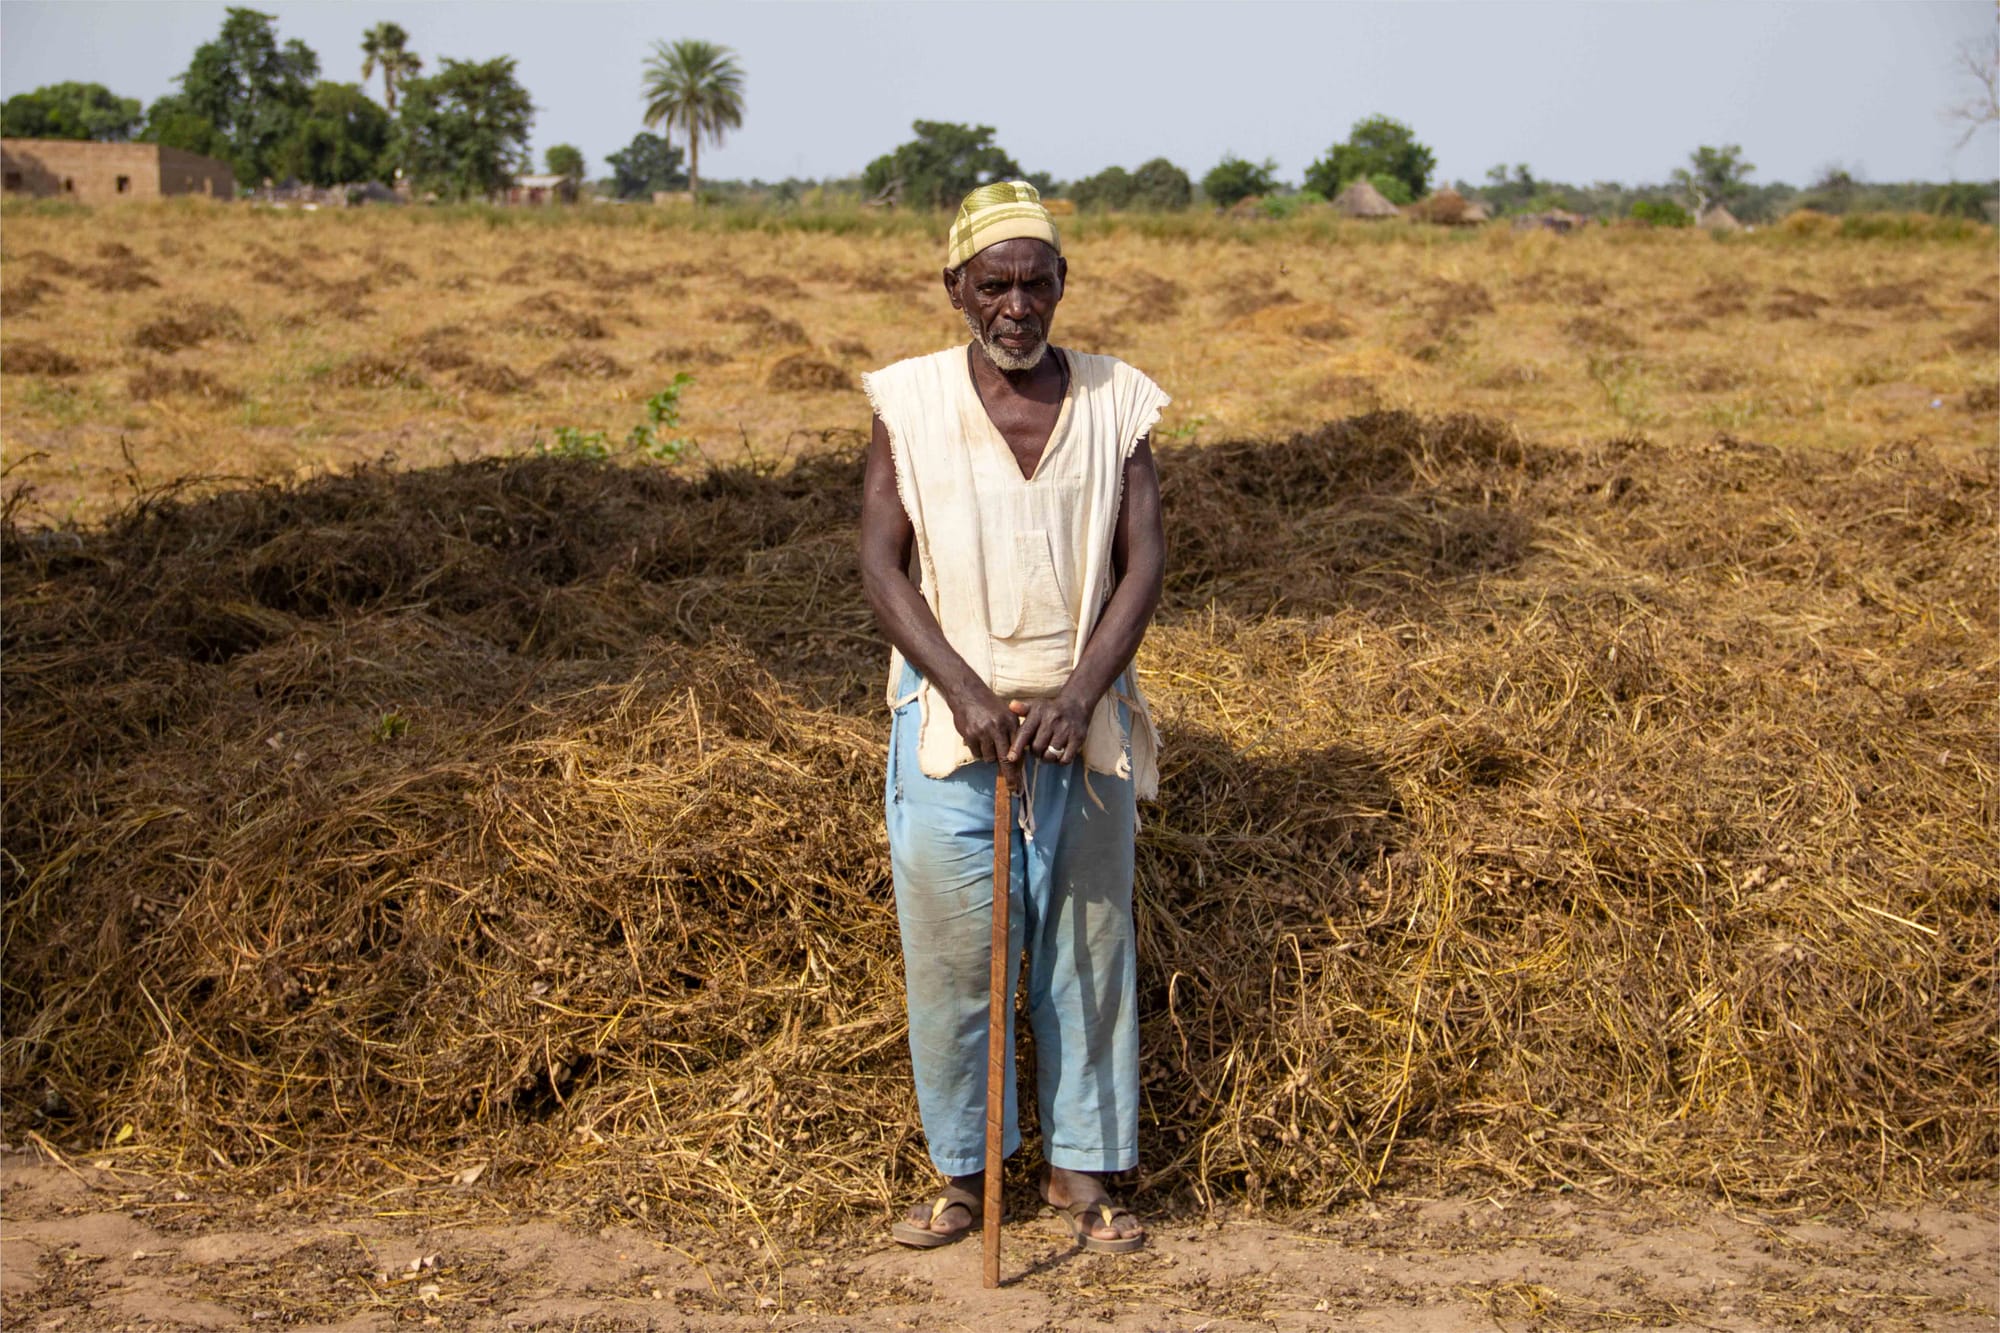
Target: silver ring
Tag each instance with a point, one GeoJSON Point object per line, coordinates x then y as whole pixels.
{"type": "Point", "coordinates": [1055, 755]}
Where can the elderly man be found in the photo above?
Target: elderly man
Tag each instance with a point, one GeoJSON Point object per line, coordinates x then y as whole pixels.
{"type": "Point", "coordinates": [1012, 552]}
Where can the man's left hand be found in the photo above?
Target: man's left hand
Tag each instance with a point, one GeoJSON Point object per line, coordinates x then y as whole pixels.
{"type": "Point", "coordinates": [1051, 729]}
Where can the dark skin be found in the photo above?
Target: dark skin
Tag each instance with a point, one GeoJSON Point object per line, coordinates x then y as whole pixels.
{"type": "Point", "coordinates": [1011, 290]}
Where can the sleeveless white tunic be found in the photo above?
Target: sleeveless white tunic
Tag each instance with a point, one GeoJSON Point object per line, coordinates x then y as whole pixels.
{"type": "Point", "coordinates": [1016, 569]}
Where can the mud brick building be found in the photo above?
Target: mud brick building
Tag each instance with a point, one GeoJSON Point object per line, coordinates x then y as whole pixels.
{"type": "Point", "coordinates": [99, 173]}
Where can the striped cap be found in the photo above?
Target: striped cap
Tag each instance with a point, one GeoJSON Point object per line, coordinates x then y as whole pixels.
{"type": "Point", "coordinates": [1002, 211]}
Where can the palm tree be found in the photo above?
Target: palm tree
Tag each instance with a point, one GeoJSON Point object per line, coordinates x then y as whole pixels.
{"type": "Point", "coordinates": [700, 86]}
{"type": "Point", "coordinates": [382, 46]}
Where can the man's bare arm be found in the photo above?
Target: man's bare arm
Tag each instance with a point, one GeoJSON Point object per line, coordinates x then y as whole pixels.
{"type": "Point", "coordinates": [981, 716]}
{"type": "Point", "coordinates": [1139, 563]}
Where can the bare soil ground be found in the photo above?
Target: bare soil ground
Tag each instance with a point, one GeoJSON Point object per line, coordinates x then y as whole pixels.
{"type": "Point", "coordinates": [83, 1248]}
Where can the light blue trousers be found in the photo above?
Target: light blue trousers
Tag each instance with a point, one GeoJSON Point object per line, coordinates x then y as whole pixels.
{"type": "Point", "coordinates": [1070, 907]}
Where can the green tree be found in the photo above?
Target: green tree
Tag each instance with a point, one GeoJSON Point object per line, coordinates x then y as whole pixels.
{"type": "Point", "coordinates": [71, 111]}
{"type": "Point", "coordinates": [174, 123]}
{"type": "Point", "coordinates": [647, 164]}
{"type": "Point", "coordinates": [1157, 186]}
{"type": "Point", "coordinates": [251, 89]}
{"type": "Point", "coordinates": [1162, 186]}
{"type": "Point", "coordinates": [1962, 199]}
{"type": "Point", "coordinates": [343, 137]}
{"type": "Point", "coordinates": [1714, 176]}
{"type": "Point", "coordinates": [1233, 179]}
{"type": "Point", "coordinates": [384, 47]}
{"type": "Point", "coordinates": [1375, 146]}
{"type": "Point", "coordinates": [1661, 213]}
{"type": "Point", "coordinates": [700, 86]}
{"type": "Point", "coordinates": [943, 164]}
{"type": "Point", "coordinates": [565, 160]}
{"type": "Point", "coordinates": [1507, 191]}
{"type": "Point", "coordinates": [463, 131]}
{"type": "Point", "coordinates": [1108, 190]}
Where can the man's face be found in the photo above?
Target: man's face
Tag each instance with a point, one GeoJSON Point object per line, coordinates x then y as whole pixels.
{"type": "Point", "coordinates": [1008, 294]}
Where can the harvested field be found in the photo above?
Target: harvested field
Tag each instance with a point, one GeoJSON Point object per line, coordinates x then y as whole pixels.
{"type": "Point", "coordinates": [189, 325]}
{"type": "Point", "coordinates": [805, 374]}
{"type": "Point", "coordinates": [28, 357]}
{"type": "Point", "coordinates": [1588, 792]}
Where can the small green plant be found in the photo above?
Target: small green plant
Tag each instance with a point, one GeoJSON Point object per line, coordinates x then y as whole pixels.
{"type": "Point", "coordinates": [1624, 389]}
{"type": "Point", "coordinates": [1185, 431]}
{"type": "Point", "coordinates": [650, 437]}
{"type": "Point", "coordinates": [391, 727]}
{"type": "Point", "coordinates": [1285, 205]}
{"type": "Point", "coordinates": [571, 443]}
{"type": "Point", "coordinates": [663, 414]}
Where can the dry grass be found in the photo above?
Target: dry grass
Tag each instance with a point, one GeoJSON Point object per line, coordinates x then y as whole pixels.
{"type": "Point", "coordinates": [28, 357]}
{"type": "Point", "coordinates": [1594, 788]}
{"type": "Point", "coordinates": [806, 374]}
{"type": "Point", "coordinates": [189, 325]}
{"type": "Point", "coordinates": [151, 382]}
{"type": "Point", "coordinates": [1435, 322]}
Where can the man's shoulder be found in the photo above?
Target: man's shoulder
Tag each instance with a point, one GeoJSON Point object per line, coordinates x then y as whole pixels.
{"type": "Point", "coordinates": [910, 366]}
{"type": "Point", "coordinates": [1103, 368]}
{"type": "Point", "coordinates": [895, 390]}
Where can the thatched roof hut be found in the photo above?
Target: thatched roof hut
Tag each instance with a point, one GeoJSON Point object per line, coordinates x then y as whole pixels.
{"type": "Point", "coordinates": [1717, 218]}
{"type": "Point", "coordinates": [1476, 212]}
{"type": "Point", "coordinates": [1362, 200]}
{"type": "Point", "coordinates": [1446, 208]}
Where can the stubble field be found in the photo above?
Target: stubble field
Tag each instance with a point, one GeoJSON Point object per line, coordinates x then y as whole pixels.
{"type": "Point", "coordinates": [1576, 674]}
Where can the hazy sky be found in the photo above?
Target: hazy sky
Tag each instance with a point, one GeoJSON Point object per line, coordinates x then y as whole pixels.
{"type": "Point", "coordinates": [1579, 91]}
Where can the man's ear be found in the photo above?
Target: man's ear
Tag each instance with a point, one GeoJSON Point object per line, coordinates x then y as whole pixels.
{"type": "Point", "coordinates": [1062, 276]}
{"type": "Point", "coordinates": [953, 280]}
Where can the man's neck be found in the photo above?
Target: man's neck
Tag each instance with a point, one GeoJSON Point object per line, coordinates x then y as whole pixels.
{"type": "Point", "coordinates": [1042, 381]}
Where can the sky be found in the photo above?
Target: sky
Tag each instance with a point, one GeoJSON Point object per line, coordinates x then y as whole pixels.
{"type": "Point", "coordinates": [1579, 90]}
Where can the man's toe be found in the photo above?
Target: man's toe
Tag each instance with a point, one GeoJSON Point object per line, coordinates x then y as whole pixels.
{"type": "Point", "coordinates": [955, 1218]}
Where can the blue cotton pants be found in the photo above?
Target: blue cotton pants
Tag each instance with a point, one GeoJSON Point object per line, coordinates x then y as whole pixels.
{"type": "Point", "coordinates": [1070, 907]}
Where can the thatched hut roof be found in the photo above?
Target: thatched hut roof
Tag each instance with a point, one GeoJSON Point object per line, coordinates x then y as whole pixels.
{"type": "Point", "coordinates": [1717, 218]}
{"type": "Point", "coordinates": [1362, 200]}
{"type": "Point", "coordinates": [1447, 208]}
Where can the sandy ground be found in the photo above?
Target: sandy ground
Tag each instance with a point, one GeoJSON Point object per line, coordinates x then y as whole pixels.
{"type": "Point", "coordinates": [84, 1248]}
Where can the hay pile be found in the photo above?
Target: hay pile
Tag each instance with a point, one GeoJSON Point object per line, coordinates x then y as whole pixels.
{"type": "Point", "coordinates": [1571, 817]}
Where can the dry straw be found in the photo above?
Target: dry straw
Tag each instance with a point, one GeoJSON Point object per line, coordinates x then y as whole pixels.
{"type": "Point", "coordinates": [1574, 818]}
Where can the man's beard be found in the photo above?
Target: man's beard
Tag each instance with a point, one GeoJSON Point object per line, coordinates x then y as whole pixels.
{"type": "Point", "coordinates": [1000, 356]}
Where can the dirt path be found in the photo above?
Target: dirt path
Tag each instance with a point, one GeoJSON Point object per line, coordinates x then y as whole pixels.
{"type": "Point", "coordinates": [84, 1249]}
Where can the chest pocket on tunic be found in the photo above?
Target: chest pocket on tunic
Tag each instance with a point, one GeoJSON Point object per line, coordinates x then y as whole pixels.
{"type": "Point", "coordinates": [1031, 602]}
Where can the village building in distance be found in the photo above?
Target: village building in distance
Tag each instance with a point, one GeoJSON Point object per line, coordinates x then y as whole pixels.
{"type": "Point", "coordinates": [534, 191]}
{"type": "Point", "coordinates": [101, 173]}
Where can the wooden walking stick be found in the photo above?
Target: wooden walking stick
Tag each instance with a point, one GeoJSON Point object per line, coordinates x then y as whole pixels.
{"type": "Point", "coordinates": [998, 1003]}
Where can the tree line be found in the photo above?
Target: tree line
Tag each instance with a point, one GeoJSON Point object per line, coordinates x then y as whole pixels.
{"type": "Point", "coordinates": [259, 104]}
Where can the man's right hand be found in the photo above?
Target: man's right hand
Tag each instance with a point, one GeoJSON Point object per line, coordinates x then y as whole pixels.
{"type": "Point", "coordinates": [985, 722]}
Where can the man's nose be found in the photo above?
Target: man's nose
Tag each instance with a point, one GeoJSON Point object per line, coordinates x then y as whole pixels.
{"type": "Point", "coordinates": [1015, 305]}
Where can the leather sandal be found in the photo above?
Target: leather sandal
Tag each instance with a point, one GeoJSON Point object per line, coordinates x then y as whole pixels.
{"type": "Point", "coordinates": [923, 1238]}
{"type": "Point", "coordinates": [1089, 1214]}
{"type": "Point", "coordinates": [1093, 1213]}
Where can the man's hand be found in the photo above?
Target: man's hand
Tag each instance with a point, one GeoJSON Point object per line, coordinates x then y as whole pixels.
{"type": "Point", "coordinates": [985, 723]}
{"type": "Point", "coordinates": [1050, 729]}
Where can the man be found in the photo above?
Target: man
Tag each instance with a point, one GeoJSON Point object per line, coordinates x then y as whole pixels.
{"type": "Point", "coordinates": [1012, 552]}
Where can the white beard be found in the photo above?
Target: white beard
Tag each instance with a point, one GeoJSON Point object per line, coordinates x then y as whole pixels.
{"type": "Point", "coordinates": [1000, 356]}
